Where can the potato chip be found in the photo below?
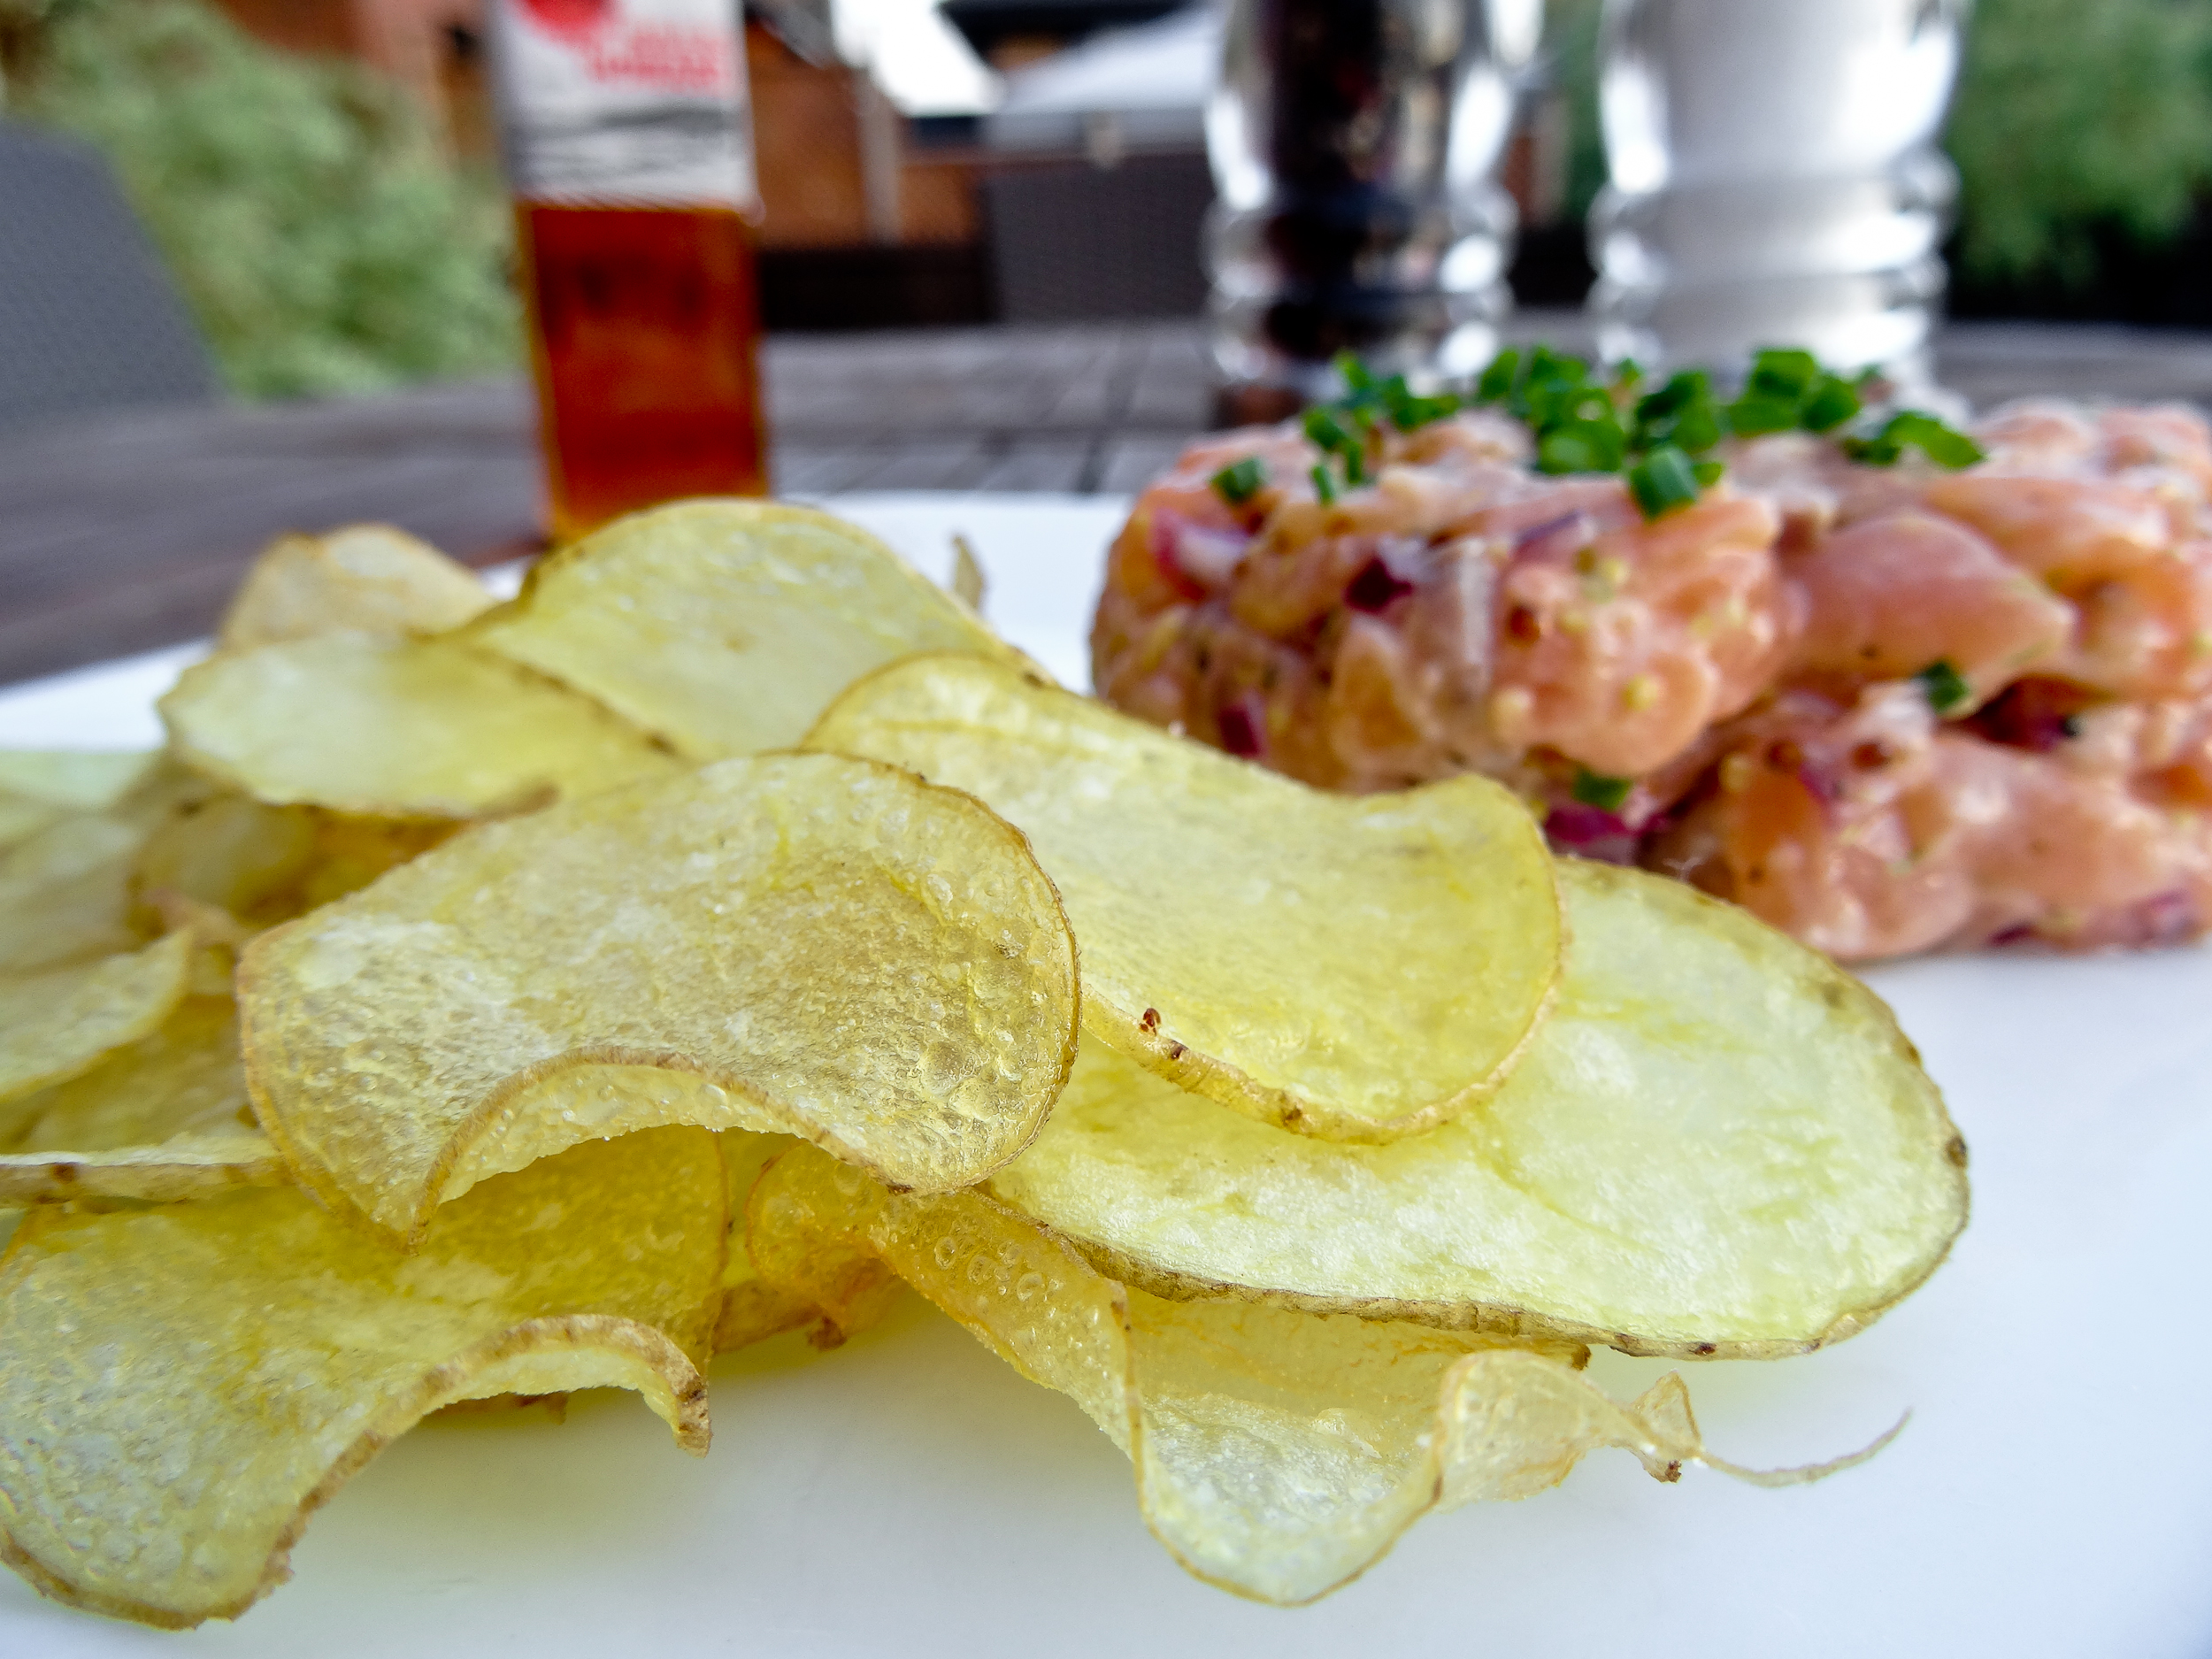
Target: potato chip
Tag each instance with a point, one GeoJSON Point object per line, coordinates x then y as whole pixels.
{"type": "Point", "coordinates": [264, 865]}
{"type": "Point", "coordinates": [806, 944]}
{"type": "Point", "coordinates": [753, 1309]}
{"type": "Point", "coordinates": [162, 1117]}
{"type": "Point", "coordinates": [1278, 1453]}
{"type": "Point", "coordinates": [82, 779]}
{"type": "Point", "coordinates": [56, 1025]}
{"type": "Point", "coordinates": [1719, 1143]}
{"type": "Point", "coordinates": [361, 578]}
{"type": "Point", "coordinates": [180, 1387]}
{"type": "Point", "coordinates": [40, 786]}
{"type": "Point", "coordinates": [230, 851]}
{"type": "Point", "coordinates": [64, 893]}
{"type": "Point", "coordinates": [1354, 968]}
{"type": "Point", "coordinates": [726, 626]}
{"type": "Point", "coordinates": [65, 890]}
{"type": "Point", "coordinates": [419, 728]}
{"type": "Point", "coordinates": [20, 817]}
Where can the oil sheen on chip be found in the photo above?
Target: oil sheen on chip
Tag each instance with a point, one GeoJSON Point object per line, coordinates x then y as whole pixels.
{"type": "Point", "coordinates": [628, 138]}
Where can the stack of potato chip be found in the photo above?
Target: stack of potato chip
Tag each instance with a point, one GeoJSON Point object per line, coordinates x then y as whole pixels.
{"type": "Point", "coordinates": [477, 1002]}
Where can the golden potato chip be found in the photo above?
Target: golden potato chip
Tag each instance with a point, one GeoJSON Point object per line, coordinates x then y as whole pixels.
{"type": "Point", "coordinates": [1354, 968]}
{"type": "Point", "coordinates": [1278, 1453]}
{"type": "Point", "coordinates": [20, 817]}
{"type": "Point", "coordinates": [264, 865]}
{"type": "Point", "coordinates": [726, 626]}
{"type": "Point", "coordinates": [180, 1387]}
{"type": "Point", "coordinates": [57, 1024]}
{"type": "Point", "coordinates": [419, 728]}
{"type": "Point", "coordinates": [77, 780]}
{"type": "Point", "coordinates": [803, 943]}
{"type": "Point", "coordinates": [230, 851]}
{"type": "Point", "coordinates": [162, 1117]}
{"type": "Point", "coordinates": [1719, 1143]}
{"type": "Point", "coordinates": [65, 890]}
{"type": "Point", "coordinates": [64, 893]}
{"type": "Point", "coordinates": [362, 578]}
{"type": "Point", "coordinates": [752, 1308]}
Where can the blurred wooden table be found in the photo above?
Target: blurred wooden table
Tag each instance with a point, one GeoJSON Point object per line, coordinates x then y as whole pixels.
{"type": "Point", "coordinates": [128, 531]}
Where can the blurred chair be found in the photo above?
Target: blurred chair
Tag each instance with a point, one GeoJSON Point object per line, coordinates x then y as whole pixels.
{"type": "Point", "coordinates": [89, 318]}
{"type": "Point", "coordinates": [1071, 240]}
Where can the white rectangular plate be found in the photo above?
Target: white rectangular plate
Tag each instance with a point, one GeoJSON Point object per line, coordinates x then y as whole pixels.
{"type": "Point", "coordinates": [910, 1495]}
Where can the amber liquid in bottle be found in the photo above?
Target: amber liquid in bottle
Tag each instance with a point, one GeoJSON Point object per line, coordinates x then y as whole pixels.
{"type": "Point", "coordinates": [644, 331]}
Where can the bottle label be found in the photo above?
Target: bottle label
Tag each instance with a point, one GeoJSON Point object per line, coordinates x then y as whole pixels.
{"type": "Point", "coordinates": [640, 102]}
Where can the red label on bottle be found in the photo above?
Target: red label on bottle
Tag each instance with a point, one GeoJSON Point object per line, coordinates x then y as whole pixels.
{"type": "Point", "coordinates": [624, 101]}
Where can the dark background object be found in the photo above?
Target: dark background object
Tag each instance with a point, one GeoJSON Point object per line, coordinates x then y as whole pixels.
{"type": "Point", "coordinates": [911, 284]}
{"type": "Point", "coordinates": [89, 319]}
{"type": "Point", "coordinates": [1072, 240]}
{"type": "Point", "coordinates": [990, 24]}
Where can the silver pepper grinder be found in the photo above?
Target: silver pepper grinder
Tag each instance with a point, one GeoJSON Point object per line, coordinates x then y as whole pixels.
{"type": "Point", "coordinates": [1354, 145]}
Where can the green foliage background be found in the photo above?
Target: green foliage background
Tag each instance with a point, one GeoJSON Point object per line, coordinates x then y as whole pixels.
{"type": "Point", "coordinates": [2077, 125]}
{"type": "Point", "coordinates": [322, 238]}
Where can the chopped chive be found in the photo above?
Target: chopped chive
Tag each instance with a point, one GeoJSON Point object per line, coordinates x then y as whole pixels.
{"type": "Point", "coordinates": [1595, 788]}
{"type": "Point", "coordinates": [1355, 373]}
{"type": "Point", "coordinates": [1831, 402]}
{"type": "Point", "coordinates": [1240, 481]}
{"type": "Point", "coordinates": [1750, 416]}
{"type": "Point", "coordinates": [1945, 689]}
{"type": "Point", "coordinates": [1497, 381]}
{"type": "Point", "coordinates": [1944, 445]}
{"type": "Point", "coordinates": [1663, 482]}
{"type": "Point", "coordinates": [1323, 486]}
{"type": "Point", "coordinates": [1707, 473]}
{"type": "Point", "coordinates": [1323, 427]}
{"type": "Point", "coordinates": [1782, 376]}
{"type": "Point", "coordinates": [1582, 446]}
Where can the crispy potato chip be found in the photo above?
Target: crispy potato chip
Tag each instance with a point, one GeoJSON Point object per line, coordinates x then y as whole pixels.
{"type": "Point", "coordinates": [803, 944]}
{"type": "Point", "coordinates": [264, 865]}
{"type": "Point", "coordinates": [162, 1117]}
{"type": "Point", "coordinates": [196, 1164]}
{"type": "Point", "coordinates": [64, 893]}
{"type": "Point", "coordinates": [362, 578]}
{"type": "Point", "coordinates": [76, 780]}
{"type": "Point", "coordinates": [22, 817]}
{"type": "Point", "coordinates": [1278, 1453]}
{"type": "Point", "coordinates": [181, 1387]}
{"type": "Point", "coordinates": [752, 1308]}
{"type": "Point", "coordinates": [56, 1025]}
{"type": "Point", "coordinates": [230, 851]}
{"type": "Point", "coordinates": [419, 728]}
{"type": "Point", "coordinates": [40, 785]}
{"type": "Point", "coordinates": [65, 890]}
{"type": "Point", "coordinates": [1354, 968]}
{"type": "Point", "coordinates": [726, 626]}
{"type": "Point", "coordinates": [1718, 1144]}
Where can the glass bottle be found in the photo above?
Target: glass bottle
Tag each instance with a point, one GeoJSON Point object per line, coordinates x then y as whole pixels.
{"type": "Point", "coordinates": [1354, 144]}
{"type": "Point", "coordinates": [629, 150]}
{"type": "Point", "coordinates": [1775, 179]}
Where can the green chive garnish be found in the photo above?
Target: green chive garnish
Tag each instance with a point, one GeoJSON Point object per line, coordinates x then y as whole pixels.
{"type": "Point", "coordinates": [1240, 481]}
{"type": "Point", "coordinates": [1323, 486]}
{"type": "Point", "coordinates": [1945, 689]}
{"type": "Point", "coordinates": [1911, 428]}
{"type": "Point", "coordinates": [1664, 480]}
{"type": "Point", "coordinates": [1595, 788]}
